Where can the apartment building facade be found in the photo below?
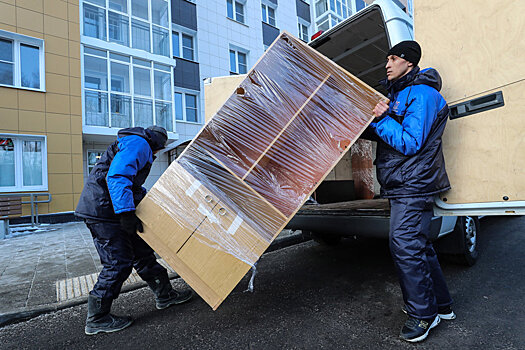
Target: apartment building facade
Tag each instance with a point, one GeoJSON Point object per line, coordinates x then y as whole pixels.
{"type": "Point", "coordinates": [40, 101]}
{"type": "Point", "coordinates": [74, 72]}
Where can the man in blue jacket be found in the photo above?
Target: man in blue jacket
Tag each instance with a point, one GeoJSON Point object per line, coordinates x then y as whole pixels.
{"type": "Point", "coordinates": [411, 170]}
{"type": "Point", "coordinates": [107, 205]}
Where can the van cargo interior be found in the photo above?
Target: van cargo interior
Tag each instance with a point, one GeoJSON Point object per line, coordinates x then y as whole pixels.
{"type": "Point", "coordinates": [359, 45]}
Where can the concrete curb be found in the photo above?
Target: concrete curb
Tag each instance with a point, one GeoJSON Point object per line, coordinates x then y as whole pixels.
{"type": "Point", "coordinates": [19, 316]}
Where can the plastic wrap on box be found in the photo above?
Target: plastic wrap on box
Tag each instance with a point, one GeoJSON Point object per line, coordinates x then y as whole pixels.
{"type": "Point", "coordinates": [218, 207]}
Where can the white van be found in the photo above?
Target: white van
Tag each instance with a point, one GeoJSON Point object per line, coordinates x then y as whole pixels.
{"type": "Point", "coordinates": [484, 143]}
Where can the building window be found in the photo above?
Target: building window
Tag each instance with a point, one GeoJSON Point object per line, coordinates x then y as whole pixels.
{"type": "Point", "coordinates": [149, 19]}
{"type": "Point", "coordinates": [235, 10]}
{"type": "Point", "coordinates": [238, 62]}
{"type": "Point", "coordinates": [321, 7]}
{"type": "Point", "coordinates": [21, 61]}
{"type": "Point", "coordinates": [183, 46]}
{"type": "Point", "coordinates": [186, 106]}
{"type": "Point", "coordinates": [303, 31]}
{"type": "Point", "coordinates": [23, 163]}
{"type": "Point", "coordinates": [268, 14]}
{"type": "Point", "coordinates": [138, 93]}
{"type": "Point", "coordinates": [92, 159]}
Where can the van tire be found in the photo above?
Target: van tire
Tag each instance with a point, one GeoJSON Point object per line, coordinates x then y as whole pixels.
{"type": "Point", "coordinates": [465, 240]}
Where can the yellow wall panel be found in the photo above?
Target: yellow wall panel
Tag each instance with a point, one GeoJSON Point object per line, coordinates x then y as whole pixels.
{"type": "Point", "coordinates": [56, 64]}
{"type": "Point", "coordinates": [73, 13]}
{"type": "Point", "coordinates": [76, 198]}
{"type": "Point", "coordinates": [10, 2]}
{"type": "Point", "coordinates": [74, 31]}
{"type": "Point", "coordinates": [28, 19]}
{"type": "Point", "coordinates": [60, 184]}
{"type": "Point", "coordinates": [30, 32]}
{"type": "Point", "coordinates": [57, 83]}
{"type": "Point", "coordinates": [76, 124]}
{"type": "Point", "coordinates": [58, 143]}
{"type": "Point", "coordinates": [76, 144]}
{"type": "Point", "coordinates": [59, 123]}
{"type": "Point", "coordinates": [78, 183]}
{"type": "Point", "coordinates": [34, 121]}
{"type": "Point", "coordinates": [31, 100]}
{"type": "Point", "coordinates": [58, 163]}
{"type": "Point", "coordinates": [33, 5]}
{"type": "Point", "coordinates": [7, 27]}
{"type": "Point", "coordinates": [78, 163]}
{"type": "Point", "coordinates": [55, 26]}
{"type": "Point", "coordinates": [56, 45]}
{"type": "Point", "coordinates": [56, 103]}
{"type": "Point", "coordinates": [61, 203]}
{"type": "Point", "coordinates": [76, 105]}
{"type": "Point", "coordinates": [8, 98]}
{"type": "Point", "coordinates": [75, 89]}
{"type": "Point", "coordinates": [55, 8]}
{"type": "Point", "coordinates": [8, 119]}
{"type": "Point", "coordinates": [7, 14]}
{"type": "Point", "coordinates": [74, 67]}
{"type": "Point", "coordinates": [74, 49]}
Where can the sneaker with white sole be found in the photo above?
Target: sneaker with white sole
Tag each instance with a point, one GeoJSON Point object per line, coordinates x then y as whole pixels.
{"type": "Point", "coordinates": [416, 330]}
{"type": "Point", "coordinates": [444, 312]}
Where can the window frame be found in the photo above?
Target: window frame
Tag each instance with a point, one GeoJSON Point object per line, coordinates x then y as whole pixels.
{"type": "Point", "coordinates": [185, 92]}
{"type": "Point", "coordinates": [18, 40]}
{"type": "Point", "coordinates": [237, 51]}
{"type": "Point", "coordinates": [266, 13]}
{"type": "Point", "coordinates": [133, 62]}
{"type": "Point", "coordinates": [19, 175]}
{"type": "Point", "coordinates": [153, 28]}
{"type": "Point", "coordinates": [179, 44]}
{"type": "Point", "coordinates": [234, 5]}
{"type": "Point", "coordinates": [302, 23]}
{"type": "Point", "coordinates": [91, 150]}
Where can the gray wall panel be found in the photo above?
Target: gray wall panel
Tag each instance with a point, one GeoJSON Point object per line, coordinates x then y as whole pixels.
{"type": "Point", "coordinates": [186, 74]}
{"type": "Point", "coordinates": [184, 13]}
{"type": "Point", "coordinates": [269, 33]}
{"type": "Point", "coordinates": [303, 10]}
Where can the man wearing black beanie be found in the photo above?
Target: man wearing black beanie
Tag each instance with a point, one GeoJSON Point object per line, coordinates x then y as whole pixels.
{"type": "Point", "coordinates": [411, 170]}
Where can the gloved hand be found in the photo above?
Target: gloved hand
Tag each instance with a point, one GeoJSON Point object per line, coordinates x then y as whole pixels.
{"type": "Point", "coordinates": [130, 222]}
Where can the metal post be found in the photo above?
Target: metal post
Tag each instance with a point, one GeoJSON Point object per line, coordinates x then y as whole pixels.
{"type": "Point", "coordinates": [32, 211]}
{"type": "Point", "coordinates": [36, 209]}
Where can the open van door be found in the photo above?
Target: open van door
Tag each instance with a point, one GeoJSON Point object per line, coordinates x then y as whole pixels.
{"type": "Point", "coordinates": [478, 48]}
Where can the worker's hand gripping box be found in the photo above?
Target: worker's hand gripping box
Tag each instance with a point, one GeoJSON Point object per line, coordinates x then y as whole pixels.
{"type": "Point", "coordinates": [218, 207]}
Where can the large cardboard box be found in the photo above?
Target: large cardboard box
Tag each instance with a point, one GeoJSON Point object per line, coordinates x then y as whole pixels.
{"type": "Point", "coordinates": [218, 207]}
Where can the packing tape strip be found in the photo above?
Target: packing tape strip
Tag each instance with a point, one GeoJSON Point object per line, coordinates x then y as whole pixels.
{"type": "Point", "coordinates": [235, 225]}
{"type": "Point", "coordinates": [194, 187]}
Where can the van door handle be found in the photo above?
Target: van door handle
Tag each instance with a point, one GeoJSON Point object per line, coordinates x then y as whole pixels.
{"type": "Point", "coordinates": [485, 101]}
{"type": "Point", "coordinates": [477, 105]}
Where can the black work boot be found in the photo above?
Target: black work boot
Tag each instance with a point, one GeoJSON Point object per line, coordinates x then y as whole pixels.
{"type": "Point", "coordinates": [165, 295]}
{"type": "Point", "coordinates": [100, 320]}
{"type": "Point", "coordinates": [416, 330]}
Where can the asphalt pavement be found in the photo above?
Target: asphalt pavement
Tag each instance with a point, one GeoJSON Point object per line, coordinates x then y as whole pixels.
{"type": "Point", "coordinates": [315, 297]}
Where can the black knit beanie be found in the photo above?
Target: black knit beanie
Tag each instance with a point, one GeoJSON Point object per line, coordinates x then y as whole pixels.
{"type": "Point", "coordinates": [408, 50]}
{"type": "Point", "coordinates": [159, 137]}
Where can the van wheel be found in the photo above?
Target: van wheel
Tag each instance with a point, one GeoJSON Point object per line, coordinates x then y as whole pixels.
{"type": "Point", "coordinates": [325, 239]}
{"type": "Point", "coordinates": [466, 237]}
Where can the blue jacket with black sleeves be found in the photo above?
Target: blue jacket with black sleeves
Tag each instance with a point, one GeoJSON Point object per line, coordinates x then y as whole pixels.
{"type": "Point", "coordinates": [409, 159]}
{"type": "Point", "coordinates": [115, 184]}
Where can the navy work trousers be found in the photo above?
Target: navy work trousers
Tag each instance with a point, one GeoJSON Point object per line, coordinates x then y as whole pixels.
{"type": "Point", "coordinates": [422, 282]}
{"type": "Point", "coordinates": [119, 253]}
